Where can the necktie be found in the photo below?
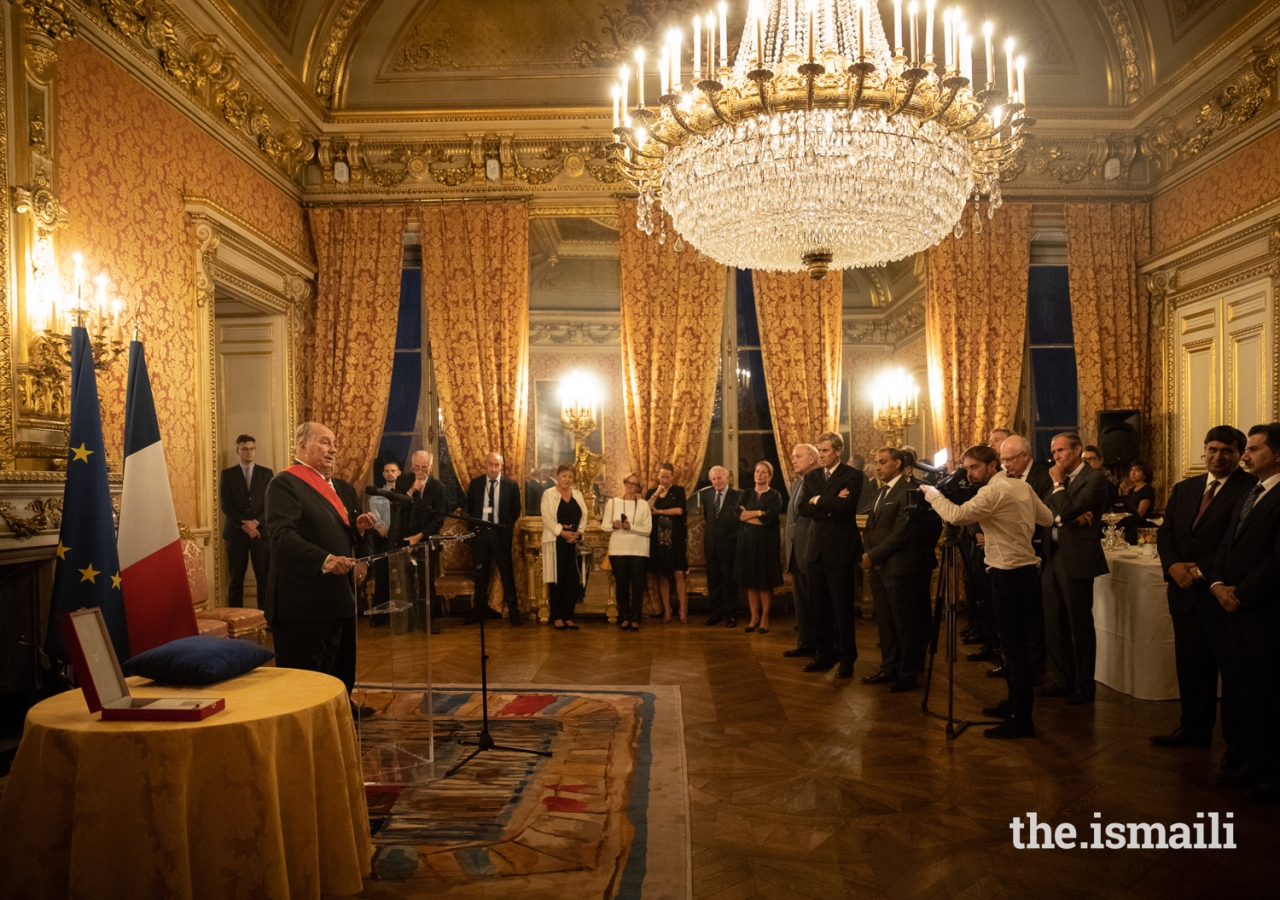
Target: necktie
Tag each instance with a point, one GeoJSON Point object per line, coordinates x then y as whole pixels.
{"type": "Point", "coordinates": [1205, 501]}
{"type": "Point", "coordinates": [826, 474]}
{"type": "Point", "coordinates": [880, 496]}
{"type": "Point", "coordinates": [493, 513]}
{"type": "Point", "coordinates": [248, 477]}
{"type": "Point", "coordinates": [1249, 501]}
{"type": "Point", "coordinates": [719, 501]}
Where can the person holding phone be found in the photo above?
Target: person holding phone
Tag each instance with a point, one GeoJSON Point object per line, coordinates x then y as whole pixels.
{"type": "Point", "coordinates": [631, 521]}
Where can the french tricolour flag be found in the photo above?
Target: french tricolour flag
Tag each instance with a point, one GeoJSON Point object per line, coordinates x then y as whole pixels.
{"type": "Point", "coordinates": [157, 597]}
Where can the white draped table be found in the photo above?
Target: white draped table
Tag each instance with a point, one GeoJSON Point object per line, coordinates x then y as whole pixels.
{"type": "Point", "coordinates": [1135, 632]}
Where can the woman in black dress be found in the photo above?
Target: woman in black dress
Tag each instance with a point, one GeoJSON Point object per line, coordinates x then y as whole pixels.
{"type": "Point", "coordinates": [1137, 497]}
{"type": "Point", "coordinates": [759, 558]}
{"type": "Point", "coordinates": [668, 542]}
{"type": "Point", "coordinates": [564, 512]}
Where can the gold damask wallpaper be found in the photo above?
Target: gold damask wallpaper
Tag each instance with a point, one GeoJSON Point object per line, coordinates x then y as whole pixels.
{"type": "Point", "coordinates": [1246, 179]}
{"type": "Point", "coordinates": [126, 159]}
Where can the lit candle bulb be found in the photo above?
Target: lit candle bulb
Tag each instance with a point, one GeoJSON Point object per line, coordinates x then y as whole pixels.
{"type": "Point", "coordinates": [1022, 83]}
{"type": "Point", "coordinates": [640, 77]}
{"type": "Point", "coordinates": [1008, 61]}
{"type": "Point", "coordinates": [928, 29]}
{"type": "Point", "coordinates": [946, 34]}
{"type": "Point", "coordinates": [625, 75]}
{"type": "Point", "coordinates": [897, 27]}
{"type": "Point", "coordinates": [697, 49]}
{"type": "Point", "coordinates": [664, 71]}
{"type": "Point", "coordinates": [617, 107]}
{"type": "Point", "coordinates": [988, 30]}
{"type": "Point", "coordinates": [711, 45]}
{"type": "Point", "coordinates": [966, 56]}
{"type": "Point", "coordinates": [914, 10]}
{"type": "Point", "coordinates": [79, 284]}
{"type": "Point", "coordinates": [676, 40]}
{"type": "Point", "coordinates": [724, 36]}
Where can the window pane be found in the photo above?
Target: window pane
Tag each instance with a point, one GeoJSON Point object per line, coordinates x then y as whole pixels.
{"type": "Point", "coordinates": [748, 327]}
{"type": "Point", "coordinates": [753, 399]}
{"type": "Point", "coordinates": [1053, 379]}
{"type": "Point", "coordinates": [751, 449]}
{"type": "Point", "coordinates": [394, 448]}
{"type": "Point", "coordinates": [1048, 305]}
{"type": "Point", "coordinates": [454, 497]}
{"type": "Point", "coordinates": [714, 457]}
{"type": "Point", "coordinates": [1044, 438]}
{"type": "Point", "coordinates": [409, 324]}
{"type": "Point", "coordinates": [406, 385]}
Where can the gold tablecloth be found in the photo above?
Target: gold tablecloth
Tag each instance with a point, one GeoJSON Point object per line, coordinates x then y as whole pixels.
{"type": "Point", "coordinates": [263, 799]}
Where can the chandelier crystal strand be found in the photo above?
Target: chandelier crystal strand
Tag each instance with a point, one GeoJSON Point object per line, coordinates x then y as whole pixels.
{"type": "Point", "coordinates": [813, 155]}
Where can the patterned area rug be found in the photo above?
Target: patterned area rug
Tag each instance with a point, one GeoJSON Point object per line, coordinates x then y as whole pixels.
{"type": "Point", "coordinates": [606, 816]}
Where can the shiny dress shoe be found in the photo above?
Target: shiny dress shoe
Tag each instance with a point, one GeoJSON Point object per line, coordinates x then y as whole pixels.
{"type": "Point", "coordinates": [987, 655]}
{"type": "Point", "coordinates": [1053, 690]}
{"type": "Point", "coordinates": [1078, 699]}
{"type": "Point", "coordinates": [1179, 738]}
{"type": "Point", "coordinates": [1012, 727]}
{"type": "Point", "coordinates": [1002, 710]}
{"type": "Point", "coordinates": [998, 672]}
{"type": "Point", "coordinates": [797, 652]}
{"type": "Point", "coordinates": [820, 665]}
{"type": "Point", "coordinates": [880, 678]}
{"type": "Point", "coordinates": [731, 622]}
{"type": "Point", "coordinates": [714, 620]}
{"type": "Point", "coordinates": [907, 683]}
{"type": "Point", "coordinates": [845, 670]}
{"type": "Point", "coordinates": [435, 626]}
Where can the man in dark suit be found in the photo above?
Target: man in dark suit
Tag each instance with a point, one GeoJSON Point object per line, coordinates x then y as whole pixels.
{"type": "Point", "coordinates": [720, 543]}
{"type": "Point", "coordinates": [1073, 558]}
{"type": "Point", "coordinates": [494, 498]}
{"type": "Point", "coordinates": [1244, 575]}
{"type": "Point", "coordinates": [242, 490]}
{"type": "Point", "coordinates": [830, 498]}
{"type": "Point", "coordinates": [316, 530]}
{"type": "Point", "coordinates": [901, 534]}
{"type": "Point", "coordinates": [417, 523]}
{"type": "Point", "coordinates": [1195, 521]}
{"type": "Point", "coordinates": [804, 459]}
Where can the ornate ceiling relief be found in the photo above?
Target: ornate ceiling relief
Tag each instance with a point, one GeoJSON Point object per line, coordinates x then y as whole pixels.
{"type": "Point", "coordinates": [1127, 44]}
{"type": "Point", "coordinates": [333, 49]}
{"type": "Point", "coordinates": [283, 13]}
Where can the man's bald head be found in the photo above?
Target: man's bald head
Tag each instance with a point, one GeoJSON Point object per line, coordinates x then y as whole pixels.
{"type": "Point", "coordinates": [1015, 455]}
{"type": "Point", "coordinates": [493, 465]}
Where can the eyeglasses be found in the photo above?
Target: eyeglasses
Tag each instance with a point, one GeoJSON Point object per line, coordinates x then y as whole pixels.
{"type": "Point", "coordinates": [634, 484]}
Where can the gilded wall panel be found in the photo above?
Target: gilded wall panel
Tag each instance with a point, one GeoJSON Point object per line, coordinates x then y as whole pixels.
{"type": "Point", "coordinates": [126, 159]}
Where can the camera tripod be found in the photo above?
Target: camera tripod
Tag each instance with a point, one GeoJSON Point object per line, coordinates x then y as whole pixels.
{"type": "Point", "coordinates": [945, 610]}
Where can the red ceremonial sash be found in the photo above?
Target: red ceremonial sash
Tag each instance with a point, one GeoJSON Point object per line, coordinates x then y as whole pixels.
{"type": "Point", "coordinates": [317, 482]}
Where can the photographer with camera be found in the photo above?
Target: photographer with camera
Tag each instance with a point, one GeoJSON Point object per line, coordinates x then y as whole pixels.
{"type": "Point", "coordinates": [1008, 511]}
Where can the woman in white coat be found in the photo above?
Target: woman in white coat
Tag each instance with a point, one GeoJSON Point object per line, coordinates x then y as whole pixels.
{"type": "Point", "coordinates": [564, 514]}
{"type": "Point", "coordinates": [630, 520]}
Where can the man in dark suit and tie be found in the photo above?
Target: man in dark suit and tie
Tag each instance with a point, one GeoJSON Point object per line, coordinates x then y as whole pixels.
{"type": "Point", "coordinates": [316, 530]}
{"type": "Point", "coordinates": [1195, 521]}
{"type": "Point", "coordinates": [495, 498]}
{"type": "Point", "coordinates": [242, 490]}
{"type": "Point", "coordinates": [1073, 557]}
{"type": "Point", "coordinates": [830, 499]}
{"type": "Point", "coordinates": [900, 551]}
{"type": "Point", "coordinates": [720, 542]}
{"type": "Point", "coordinates": [1244, 579]}
{"type": "Point", "coordinates": [417, 523]}
{"type": "Point", "coordinates": [804, 459]}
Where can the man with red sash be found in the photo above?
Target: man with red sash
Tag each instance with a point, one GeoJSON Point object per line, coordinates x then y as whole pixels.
{"type": "Point", "coordinates": [316, 530]}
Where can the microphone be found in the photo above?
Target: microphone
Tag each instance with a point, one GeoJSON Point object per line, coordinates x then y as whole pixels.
{"type": "Point", "coordinates": [393, 496]}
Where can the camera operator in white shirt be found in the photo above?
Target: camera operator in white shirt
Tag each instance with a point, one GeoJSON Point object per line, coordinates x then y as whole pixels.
{"type": "Point", "coordinates": [1008, 511]}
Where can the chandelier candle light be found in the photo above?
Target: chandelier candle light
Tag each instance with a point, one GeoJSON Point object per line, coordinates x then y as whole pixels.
{"type": "Point", "coordinates": [820, 147]}
{"type": "Point", "coordinates": [579, 400]}
{"type": "Point", "coordinates": [895, 399]}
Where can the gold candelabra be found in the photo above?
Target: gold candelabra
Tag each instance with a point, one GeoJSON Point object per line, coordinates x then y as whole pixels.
{"type": "Point", "coordinates": [896, 405]}
{"type": "Point", "coordinates": [578, 417]}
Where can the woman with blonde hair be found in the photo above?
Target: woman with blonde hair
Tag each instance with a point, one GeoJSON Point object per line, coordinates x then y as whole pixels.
{"type": "Point", "coordinates": [564, 513]}
{"type": "Point", "coordinates": [759, 557]}
{"type": "Point", "coordinates": [628, 517]}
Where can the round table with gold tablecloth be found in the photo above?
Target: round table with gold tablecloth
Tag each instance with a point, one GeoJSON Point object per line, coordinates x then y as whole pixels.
{"type": "Point", "coordinates": [262, 799]}
{"type": "Point", "coordinates": [1134, 629]}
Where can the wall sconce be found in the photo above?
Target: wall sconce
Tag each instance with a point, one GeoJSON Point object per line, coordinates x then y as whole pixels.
{"type": "Point", "coordinates": [895, 398]}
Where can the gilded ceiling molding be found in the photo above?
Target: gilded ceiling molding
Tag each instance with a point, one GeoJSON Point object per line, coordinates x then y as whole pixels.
{"type": "Point", "coordinates": [7, 454]}
{"type": "Point", "coordinates": [53, 18]}
{"type": "Point", "coordinates": [1121, 23]}
{"type": "Point", "coordinates": [1235, 103]}
{"type": "Point", "coordinates": [330, 53]}
{"type": "Point", "coordinates": [200, 67]}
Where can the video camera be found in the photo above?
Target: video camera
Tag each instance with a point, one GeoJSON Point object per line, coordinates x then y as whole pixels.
{"type": "Point", "coordinates": [955, 486]}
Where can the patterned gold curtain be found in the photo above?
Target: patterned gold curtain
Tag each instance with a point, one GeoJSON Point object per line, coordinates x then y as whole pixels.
{"type": "Point", "coordinates": [475, 275]}
{"type": "Point", "coordinates": [351, 331]}
{"type": "Point", "coordinates": [800, 343]}
{"type": "Point", "coordinates": [1109, 310]}
{"type": "Point", "coordinates": [672, 312]}
{"type": "Point", "coordinates": [976, 326]}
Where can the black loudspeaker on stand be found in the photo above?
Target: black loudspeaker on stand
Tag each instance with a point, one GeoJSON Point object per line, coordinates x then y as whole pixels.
{"type": "Point", "coordinates": [945, 610]}
{"type": "Point", "coordinates": [1119, 436]}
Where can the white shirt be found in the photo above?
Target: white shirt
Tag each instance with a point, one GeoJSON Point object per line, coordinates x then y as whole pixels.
{"type": "Point", "coordinates": [248, 473]}
{"type": "Point", "coordinates": [1008, 511]}
{"type": "Point", "coordinates": [884, 491]}
{"type": "Point", "coordinates": [624, 542]}
{"type": "Point", "coordinates": [1266, 487]}
{"type": "Point", "coordinates": [490, 514]}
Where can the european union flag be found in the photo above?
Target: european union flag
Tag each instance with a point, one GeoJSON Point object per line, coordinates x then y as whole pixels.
{"type": "Point", "coordinates": [86, 570]}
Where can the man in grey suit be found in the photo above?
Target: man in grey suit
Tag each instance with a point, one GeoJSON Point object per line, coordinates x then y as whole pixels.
{"type": "Point", "coordinates": [1073, 557]}
{"type": "Point", "coordinates": [804, 459]}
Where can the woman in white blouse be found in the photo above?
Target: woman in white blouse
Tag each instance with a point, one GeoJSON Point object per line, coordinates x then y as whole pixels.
{"type": "Point", "coordinates": [629, 519]}
{"type": "Point", "coordinates": [564, 517]}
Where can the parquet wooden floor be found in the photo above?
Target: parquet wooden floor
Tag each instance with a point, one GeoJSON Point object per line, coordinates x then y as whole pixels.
{"type": "Point", "coordinates": [805, 787]}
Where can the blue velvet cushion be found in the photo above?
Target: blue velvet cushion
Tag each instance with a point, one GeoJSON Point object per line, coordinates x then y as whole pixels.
{"type": "Point", "coordinates": [197, 660]}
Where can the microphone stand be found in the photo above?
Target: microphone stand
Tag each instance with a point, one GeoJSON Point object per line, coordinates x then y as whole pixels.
{"type": "Point", "coordinates": [484, 741]}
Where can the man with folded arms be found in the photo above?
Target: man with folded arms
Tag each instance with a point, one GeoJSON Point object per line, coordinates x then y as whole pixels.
{"type": "Point", "coordinates": [1195, 521]}
{"type": "Point", "coordinates": [1008, 511]}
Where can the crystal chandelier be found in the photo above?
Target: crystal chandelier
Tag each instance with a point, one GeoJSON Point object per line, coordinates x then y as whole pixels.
{"type": "Point", "coordinates": [819, 147]}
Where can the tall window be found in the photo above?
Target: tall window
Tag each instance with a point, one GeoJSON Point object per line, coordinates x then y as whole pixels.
{"type": "Point", "coordinates": [401, 435]}
{"type": "Point", "coordinates": [1054, 398]}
